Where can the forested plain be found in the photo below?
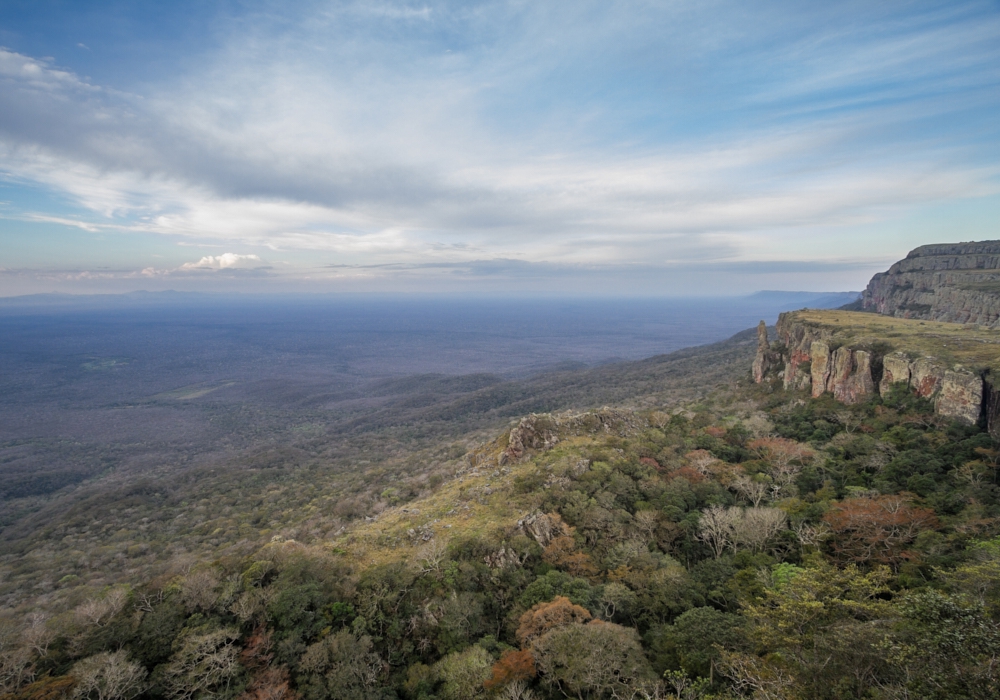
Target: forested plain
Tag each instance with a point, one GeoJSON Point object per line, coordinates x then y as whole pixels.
{"type": "Point", "coordinates": [661, 528]}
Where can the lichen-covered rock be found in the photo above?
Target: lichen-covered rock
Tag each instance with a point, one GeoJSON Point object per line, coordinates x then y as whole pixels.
{"type": "Point", "coordinates": [543, 527]}
{"type": "Point", "coordinates": [895, 370]}
{"type": "Point", "coordinates": [819, 352]}
{"type": "Point", "coordinates": [926, 376]}
{"type": "Point", "coordinates": [961, 396]}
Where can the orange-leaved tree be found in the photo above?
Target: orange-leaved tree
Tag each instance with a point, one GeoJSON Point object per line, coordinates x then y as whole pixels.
{"type": "Point", "coordinates": [546, 616]}
{"type": "Point", "coordinates": [513, 666]}
{"type": "Point", "coordinates": [876, 529]}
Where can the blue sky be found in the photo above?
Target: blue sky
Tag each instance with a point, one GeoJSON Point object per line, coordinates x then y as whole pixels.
{"type": "Point", "coordinates": [490, 147]}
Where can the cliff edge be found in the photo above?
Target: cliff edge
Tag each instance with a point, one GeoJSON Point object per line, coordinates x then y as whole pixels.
{"type": "Point", "coordinates": [855, 355]}
{"type": "Point", "coordinates": [951, 282]}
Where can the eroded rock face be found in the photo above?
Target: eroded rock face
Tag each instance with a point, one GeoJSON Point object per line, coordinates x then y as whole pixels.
{"type": "Point", "coordinates": [961, 396]}
{"type": "Point", "coordinates": [850, 380]}
{"type": "Point", "coordinates": [958, 283]}
{"type": "Point", "coordinates": [798, 340]}
{"type": "Point", "coordinates": [764, 360]}
{"type": "Point", "coordinates": [819, 352]}
{"type": "Point", "coordinates": [895, 370]}
{"type": "Point", "coordinates": [926, 376]}
{"type": "Point", "coordinates": [847, 373]}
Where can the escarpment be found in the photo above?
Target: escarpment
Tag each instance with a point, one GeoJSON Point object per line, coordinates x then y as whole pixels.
{"type": "Point", "coordinates": [955, 283]}
{"type": "Point", "coordinates": [854, 356]}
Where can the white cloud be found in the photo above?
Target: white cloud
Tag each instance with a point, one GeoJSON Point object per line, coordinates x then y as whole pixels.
{"type": "Point", "coordinates": [225, 261]}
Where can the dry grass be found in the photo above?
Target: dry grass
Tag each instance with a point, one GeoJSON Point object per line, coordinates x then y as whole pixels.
{"type": "Point", "coordinates": [953, 343]}
{"type": "Point", "coordinates": [459, 508]}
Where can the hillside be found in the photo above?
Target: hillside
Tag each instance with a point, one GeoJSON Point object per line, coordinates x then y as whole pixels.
{"type": "Point", "coordinates": [808, 513]}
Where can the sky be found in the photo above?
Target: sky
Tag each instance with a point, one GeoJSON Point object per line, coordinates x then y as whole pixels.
{"type": "Point", "coordinates": [628, 148]}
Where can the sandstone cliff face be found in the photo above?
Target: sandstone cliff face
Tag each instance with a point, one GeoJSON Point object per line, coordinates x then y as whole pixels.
{"type": "Point", "coordinates": [957, 283]}
{"type": "Point", "coordinates": [811, 360]}
{"type": "Point", "coordinates": [765, 359]}
{"type": "Point", "coordinates": [895, 370]}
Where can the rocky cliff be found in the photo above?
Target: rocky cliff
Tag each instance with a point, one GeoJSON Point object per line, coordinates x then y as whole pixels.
{"type": "Point", "coordinates": [854, 356]}
{"type": "Point", "coordinates": [956, 282]}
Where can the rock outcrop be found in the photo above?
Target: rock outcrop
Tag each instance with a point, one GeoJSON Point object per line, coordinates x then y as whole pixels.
{"type": "Point", "coordinates": [765, 359]}
{"type": "Point", "coordinates": [955, 283]}
{"type": "Point", "coordinates": [534, 432]}
{"type": "Point", "coordinates": [895, 370]}
{"type": "Point", "coordinates": [814, 360]}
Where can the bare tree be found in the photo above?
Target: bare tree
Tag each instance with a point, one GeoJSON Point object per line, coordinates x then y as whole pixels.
{"type": "Point", "coordinates": [37, 635]}
{"type": "Point", "coordinates": [756, 526]}
{"type": "Point", "coordinates": [108, 676]}
{"type": "Point", "coordinates": [97, 612]}
{"type": "Point", "coordinates": [715, 527]}
{"type": "Point", "coordinates": [754, 490]}
{"type": "Point", "coordinates": [736, 528]}
{"type": "Point", "coordinates": [16, 662]}
{"type": "Point", "coordinates": [199, 590]}
{"type": "Point", "coordinates": [646, 522]}
{"type": "Point", "coordinates": [518, 690]}
{"type": "Point", "coordinates": [204, 665]}
{"type": "Point", "coordinates": [431, 556]}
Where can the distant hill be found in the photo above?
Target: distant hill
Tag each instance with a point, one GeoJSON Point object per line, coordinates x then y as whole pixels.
{"type": "Point", "coordinates": [805, 300]}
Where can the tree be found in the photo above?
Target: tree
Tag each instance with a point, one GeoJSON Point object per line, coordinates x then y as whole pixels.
{"type": "Point", "coordinates": [342, 666]}
{"type": "Point", "coordinates": [876, 529]}
{"type": "Point", "coordinates": [546, 616]}
{"type": "Point", "coordinates": [108, 676]}
{"type": "Point", "coordinates": [946, 647]}
{"type": "Point", "coordinates": [785, 457]}
{"type": "Point", "coordinates": [205, 666]}
{"type": "Point", "coordinates": [756, 526]}
{"type": "Point", "coordinates": [513, 666]}
{"type": "Point", "coordinates": [739, 528]}
{"type": "Point", "coordinates": [592, 660]}
{"type": "Point", "coordinates": [751, 488]}
{"type": "Point", "coordinates": [715, 527]}
{"type": "Point", "coordinates": [463, 673]}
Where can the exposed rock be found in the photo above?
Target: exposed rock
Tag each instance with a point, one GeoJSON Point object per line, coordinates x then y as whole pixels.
{"type": "Point", "coordinates": [926, 376]}
{"type": "Point", "coordinates": [895, 370]}
{"type": "Point", "coordinates": [765, 359]}
{"type": "Point", "coordinates": [847, 373]}
{"type": "Point", "coordinates": [819, 352]}
{"type": "Point", "coordinates": [851, 376]}
{"type": "Point", "coordinates": [543, 527]}
{"type": "Point", "coordinates": [957, 283]}
{"type": "Point", "coordinates": [533, 432]}
{"type": "Point", "coordinates": [504, 558]}
{"type": "Point", "coordinates": [797, 339]}
{"type": "Point", "coordinates": [961, 396]}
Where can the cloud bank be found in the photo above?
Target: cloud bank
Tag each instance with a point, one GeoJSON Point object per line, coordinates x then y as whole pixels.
{"type": "Point", "coordinates": [444, 133]}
